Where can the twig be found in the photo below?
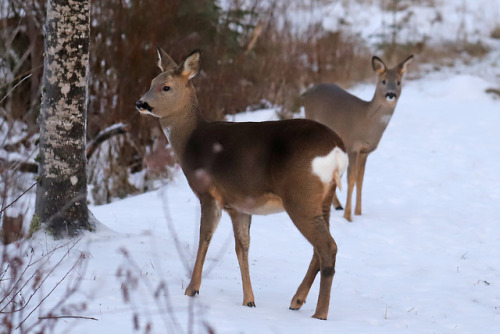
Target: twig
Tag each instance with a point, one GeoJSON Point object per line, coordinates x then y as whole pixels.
{"type": "Point", "coordinates": [56, 285]}
{"type": "Point", "coordinates": [493, 91]}
{"type": "Point", "coordinates": [67, 317]}
{"type": "Point", "coordinates": [255, 36]}
{"type": "Point", "coordinates": [17, 199]}
{"type": "Point", "coordinates": [116, 129]}
{"type": "Point", "coordinates": [20, 82]}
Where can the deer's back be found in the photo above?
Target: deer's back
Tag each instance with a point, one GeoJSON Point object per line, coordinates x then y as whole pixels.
{"type": "Point", "coordinates": [254, 159]}
{"type": "Point", "coordinates": [338, 109]}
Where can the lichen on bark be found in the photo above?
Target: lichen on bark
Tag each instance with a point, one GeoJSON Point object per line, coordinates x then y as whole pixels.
{"type": "Point", "coordinates": [62, 190]}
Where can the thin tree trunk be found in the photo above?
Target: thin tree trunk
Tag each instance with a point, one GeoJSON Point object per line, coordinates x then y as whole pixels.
{"type": "Point", "coordinates": [61, 203]}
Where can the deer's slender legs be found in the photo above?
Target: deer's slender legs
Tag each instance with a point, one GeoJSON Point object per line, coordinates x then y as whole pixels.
{"type": "Point", "coordinates": [351, 180]}
{"type": "Point", "coordinates": [336, 202]}
{"type": "Point", "coordinates": [359, 181]}
{"type": "Point", "coordinates": [303, 290]}
{"type": "Point", "coordinates": [310, 221]}
{"type": "Point", "coordinates": [316, 231]}
{"type": "Point", "coordinates": [241, 228]}
{"type": "Point", "coordinates": [210, 216]}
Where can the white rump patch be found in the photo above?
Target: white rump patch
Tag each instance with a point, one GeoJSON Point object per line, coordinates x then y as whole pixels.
{"type": "Point", "coordinates": [334, 162]}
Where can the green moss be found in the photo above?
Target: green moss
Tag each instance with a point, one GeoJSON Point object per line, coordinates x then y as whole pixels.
{"type": "Point", "coordinates": [36, 224]}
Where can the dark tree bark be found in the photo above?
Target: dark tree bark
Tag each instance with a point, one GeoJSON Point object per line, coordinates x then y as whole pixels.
{"type": "Point", "coordinates": [61, 203]}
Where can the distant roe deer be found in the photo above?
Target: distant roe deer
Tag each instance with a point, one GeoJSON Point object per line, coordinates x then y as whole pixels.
{"type": "Point", "coordinates": [251, 168]}
{"type": "Point", "coordinates": [359, 123]}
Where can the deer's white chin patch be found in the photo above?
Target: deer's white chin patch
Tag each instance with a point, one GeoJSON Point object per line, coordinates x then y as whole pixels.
{"type": "Point", "coordinates": [385, 119]}
{"type": "Point", "coordinates": [390, 98]}
{"type": "Point", "coordinates": [147, 112]}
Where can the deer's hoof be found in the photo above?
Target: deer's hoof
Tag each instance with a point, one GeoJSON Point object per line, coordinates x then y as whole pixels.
{"type": "Point", "coordinates": [250, 304]}
{"type": "Point", "coordinates": [320, 317]}
{"type": "Point", "coordinates": [191, 293]}
{"type": "Point", "coordinates": [339, 208]}
{"type": "Point", "coordinates": [296, 304]}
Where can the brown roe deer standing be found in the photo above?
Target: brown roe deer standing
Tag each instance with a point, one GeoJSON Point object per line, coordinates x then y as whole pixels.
{"type": "Point", "coordinates": [251, 168]}
{"type": "Point", "coordinates": [359, 123]}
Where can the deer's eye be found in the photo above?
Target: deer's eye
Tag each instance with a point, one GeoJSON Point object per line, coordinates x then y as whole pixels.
{"type": "Point", "coordinates": [399, 83]}
{"type": "Point", "coordinates": [166, 88]}
{"type": "Point", "coordinates": [383, 82]}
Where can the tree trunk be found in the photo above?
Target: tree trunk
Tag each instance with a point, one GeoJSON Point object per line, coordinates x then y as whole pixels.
{"type": "Point", "coordinates": [61, 203]}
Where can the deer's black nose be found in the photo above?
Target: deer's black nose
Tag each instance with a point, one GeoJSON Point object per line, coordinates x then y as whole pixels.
{"type": "Point", "coordinates": [140, 105]}
{"type": "Point", "coordinates": [390, 96]}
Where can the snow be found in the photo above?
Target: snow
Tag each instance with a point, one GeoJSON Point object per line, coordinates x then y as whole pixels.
{"type": "Point", "coordinates": [423, 257]}
{"type": "Point", "coordinates": [434, 22]}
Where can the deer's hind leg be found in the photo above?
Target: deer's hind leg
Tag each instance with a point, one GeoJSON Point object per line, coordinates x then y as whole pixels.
{"type": "Point", "coordinates": [303, 290]}
{"type": "Point", "coordinates": [336, 203]}
{"type": "Point", "coordinates": [210, 216]}
{"type": "Point", "coordinates": [316, 232]}
{"type": "Point", "coordinates": [351, 180]}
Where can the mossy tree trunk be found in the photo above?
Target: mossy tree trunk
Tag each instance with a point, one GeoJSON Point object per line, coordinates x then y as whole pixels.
{"type": "Point", "coordinates": [61, 203]}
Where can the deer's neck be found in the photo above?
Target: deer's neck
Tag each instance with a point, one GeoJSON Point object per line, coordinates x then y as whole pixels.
{"type": "Point", "coordinates": [179, 128]}
{"type": "Point", "coordinates": [379, 108]}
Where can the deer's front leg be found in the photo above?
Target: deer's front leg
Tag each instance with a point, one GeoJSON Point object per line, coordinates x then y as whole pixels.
{"type": "Point", "coordinates": [210, 216]}
{"type": "Point", "coordinates": [359, 181]}
{"type": "Point", "coordinates": [241, 228]}
{"type": "Point", "coordinates": [351, 180]}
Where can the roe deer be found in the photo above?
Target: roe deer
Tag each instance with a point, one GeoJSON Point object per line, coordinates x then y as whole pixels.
{"type": "Point", "coordinates": [251, 168]}
{"type": "Point", "coordinates": [359, 123]}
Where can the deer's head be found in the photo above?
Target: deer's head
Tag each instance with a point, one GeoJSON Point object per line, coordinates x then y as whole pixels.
{"type": "Point", "coordinates": [389, 80]}
{"type": "Point", "coordinates": [171, 91]}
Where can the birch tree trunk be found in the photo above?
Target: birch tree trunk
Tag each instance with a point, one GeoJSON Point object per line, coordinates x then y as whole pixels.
{"type": "Point", "coordinates": [61, 201]}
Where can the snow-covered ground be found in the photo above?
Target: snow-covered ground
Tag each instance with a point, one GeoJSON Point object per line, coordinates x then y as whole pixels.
{"type": "Point", "coordinates": [423, 258]}
{"type": "Point", "coordinates": [431, 21]}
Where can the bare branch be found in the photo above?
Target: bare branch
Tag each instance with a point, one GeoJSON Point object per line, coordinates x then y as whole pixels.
{"type": "Point", "coordinates": [12, 89]}
{"type": "Point", "coordinates": [104, 135]}
{"type": "Point", "coordinates": [67, 317]}
{"type": "Point", "coordinates": [17, 199]}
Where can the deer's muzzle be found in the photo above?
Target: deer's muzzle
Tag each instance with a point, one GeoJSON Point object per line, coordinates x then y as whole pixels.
{"type": "Point", "coordinates": [390, 97]}
{"type": "Point", "coordinates": [143, 106]}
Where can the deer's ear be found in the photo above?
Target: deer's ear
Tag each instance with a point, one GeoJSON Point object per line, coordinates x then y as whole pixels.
{"type": "Point", "coordinates": [378, 65]}
{"type": "Point", "coordinates": [191, 65]}
{"type": "Point", "coordinates": [402, 66]}
{"type": "Point", "coordinates": [164, 60]}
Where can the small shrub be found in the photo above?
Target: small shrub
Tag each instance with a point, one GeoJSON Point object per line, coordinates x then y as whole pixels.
{"type": "Point", "coordinates": [495, 33]}
{"type": "Point", "coordinates": [475, 49]}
